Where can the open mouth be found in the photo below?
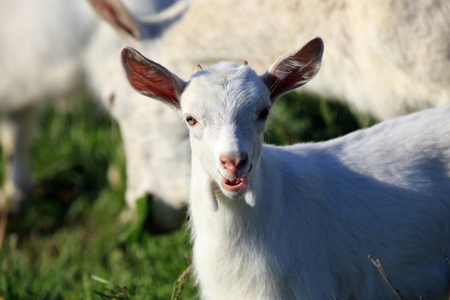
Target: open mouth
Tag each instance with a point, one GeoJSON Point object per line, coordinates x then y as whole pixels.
{"type": "Point", "coordinates": [234, 185]}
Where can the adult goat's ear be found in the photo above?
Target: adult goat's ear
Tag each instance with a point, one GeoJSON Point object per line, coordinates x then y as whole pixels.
{"type": "Point", "coordinates": [116, 14]}
{"type": "Point", "coordinates": [294, 69]}
{"type": "Point", "coordinates": [133, 29]}
{"type": "Point", "coordinates": [151, 79]}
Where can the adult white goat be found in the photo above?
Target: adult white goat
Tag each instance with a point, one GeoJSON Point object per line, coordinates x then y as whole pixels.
{"type": "Point", "coordinates": [298, 222]}
{"type": "Point", "coordinates": [64, 47]}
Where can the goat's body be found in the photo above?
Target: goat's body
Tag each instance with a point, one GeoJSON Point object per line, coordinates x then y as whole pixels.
{"type": "Point", "coordinates": [387, 58]}
{"type": "Point", "coordinates": [41, 50]}
{"type": "Point", "coordinates": [383, 191]}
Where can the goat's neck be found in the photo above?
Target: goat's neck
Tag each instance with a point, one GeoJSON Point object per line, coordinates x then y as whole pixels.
{"type": "Point", "coordinates": [226, 237]}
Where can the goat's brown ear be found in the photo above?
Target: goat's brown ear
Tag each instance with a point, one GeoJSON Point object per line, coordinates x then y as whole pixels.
{"type": "Point", "coordinates": [116, 14]}
{"type": "Point", "coordinates": [151, 79]}
{"type": "Point", "coordinates": [294, 69]}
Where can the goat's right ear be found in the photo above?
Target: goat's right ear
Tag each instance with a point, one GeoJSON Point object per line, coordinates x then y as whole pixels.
{"type": "Point", "coordinates": [151, 79]}
{"type": "Point", "coordinates": [294, 69]}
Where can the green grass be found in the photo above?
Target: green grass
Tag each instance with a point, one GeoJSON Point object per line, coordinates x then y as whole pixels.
{"type": "Point", "coordinates": [67, 245]}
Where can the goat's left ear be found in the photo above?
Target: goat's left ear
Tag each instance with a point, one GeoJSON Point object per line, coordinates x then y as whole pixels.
{"type": "Point", "coordinates": [151, 79]}
{"type": "Point", "coordinates": [294, 69]}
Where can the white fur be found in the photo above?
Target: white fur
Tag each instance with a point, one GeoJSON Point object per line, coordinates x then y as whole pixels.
{"type": "Point", "coordinates": [384, 57]}
{"type": "Point", "coordinates": [317, 210]}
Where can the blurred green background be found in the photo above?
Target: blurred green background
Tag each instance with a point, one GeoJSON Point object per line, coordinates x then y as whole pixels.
{"type": "Point", "coordinates": [73, 230]}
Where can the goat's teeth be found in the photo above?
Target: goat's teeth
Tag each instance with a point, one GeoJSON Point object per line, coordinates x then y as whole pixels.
{"type": "Point", "coordinates": [233, 181]}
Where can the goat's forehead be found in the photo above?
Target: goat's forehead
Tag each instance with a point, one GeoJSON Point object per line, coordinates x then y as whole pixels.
{"type": "Point", "coordinates": [225, 84]}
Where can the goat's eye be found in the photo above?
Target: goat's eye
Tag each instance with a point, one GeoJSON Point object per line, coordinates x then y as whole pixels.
{"type": "Point", "coordinates": [263, 114]}
{"type": "Point", "coordinates": [191, 121]}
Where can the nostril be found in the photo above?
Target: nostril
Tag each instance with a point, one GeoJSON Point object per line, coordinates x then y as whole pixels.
{"type": "Point", "coordinates": [233, 162]}
{"type": "Point", "coordinates": [243, 159]}
{"type": "Point", "coordinates": [228, 162]}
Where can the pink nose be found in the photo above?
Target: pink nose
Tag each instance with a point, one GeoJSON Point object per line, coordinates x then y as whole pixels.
{"type": "Point", "coordinates": [233, 162]}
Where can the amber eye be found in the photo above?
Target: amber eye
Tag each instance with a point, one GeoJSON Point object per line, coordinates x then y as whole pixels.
{"type": "Point", "coordinates": [264, 114]}
{"type": "Point", "coordinates": [191, 121]}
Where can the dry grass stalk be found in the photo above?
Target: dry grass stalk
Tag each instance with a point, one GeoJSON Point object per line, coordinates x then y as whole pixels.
{"type": "Point", "coordinates": [445, 253]}
{"type": "Point", "coordinates": [181, 281]}
{"type": "Point", "coordinates": [380, 268]}
{"type": "Point", "coordinates": [3, 206]}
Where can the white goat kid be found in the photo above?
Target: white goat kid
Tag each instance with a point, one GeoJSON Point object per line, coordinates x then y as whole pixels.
{"type": "Point", "coordinates": [298, 222]}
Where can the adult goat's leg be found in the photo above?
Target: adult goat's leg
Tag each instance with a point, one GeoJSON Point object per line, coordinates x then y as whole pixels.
{"type": "Point", "coordinates": [16, 131]}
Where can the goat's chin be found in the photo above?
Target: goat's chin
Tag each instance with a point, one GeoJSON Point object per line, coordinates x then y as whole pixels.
{"type": "Point", "coordinates": [241, 191]}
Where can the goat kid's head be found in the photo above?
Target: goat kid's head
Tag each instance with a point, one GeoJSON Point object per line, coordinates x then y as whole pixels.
{"type": "Point", "coordinates": [226, 108]}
